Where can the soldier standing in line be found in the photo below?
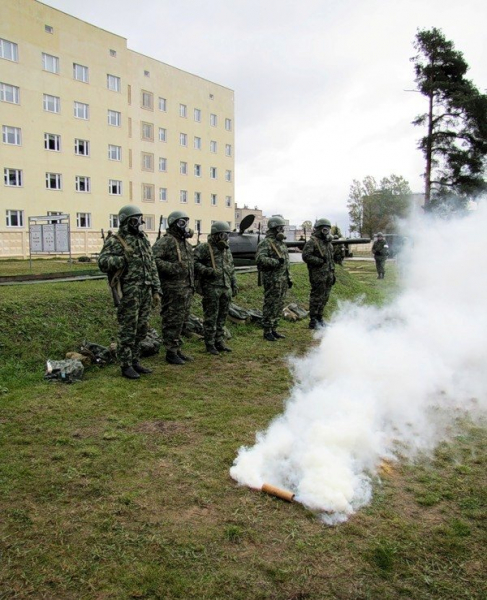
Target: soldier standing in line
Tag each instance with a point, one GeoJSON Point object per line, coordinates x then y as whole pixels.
{"type": "Point", "coordinates": [216, 273]}
{"type": "Point", "coordinates": [380, 250]}
{"type": "Point", "coordinates": [273, 262]}
{"type": "Point", "coordinates": [318, 255]}
{"type": "Point", "coordinates": [338, 251]}
{"type": "Point", "coordinates": [127, 259]}
{"type": "Point", "coordinates": [174, 259]}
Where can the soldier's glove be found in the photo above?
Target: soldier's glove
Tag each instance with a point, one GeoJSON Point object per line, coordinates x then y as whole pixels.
{"type": "Point", "coordinates": [234, 290]}
{"type": "Point", "coordinates": [289, 284]}
{"type": "Point", "coordinates": [281, 260]}
{"type": "Point", "coordinates": [156, 300]}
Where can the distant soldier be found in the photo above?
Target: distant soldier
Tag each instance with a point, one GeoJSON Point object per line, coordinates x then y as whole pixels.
{"type": "Point", "coordinates": [338, 251]}
{"type": "Point", "coordinates": [174, 259]}
{"type": "Point", "coordinates": [273, 262]}
{"type": "Point", "coordinates": [213, 264]}
{"type": "Point", "coordinates": [380, 250]}
{"type": "Point", "coordinates": [127, 259]}
{"type": "Point", "coordinates": [318, 255]}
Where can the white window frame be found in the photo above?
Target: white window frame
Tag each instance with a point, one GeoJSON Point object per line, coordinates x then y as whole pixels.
{"type": "Point", "coordinates": [114, 83]}
{"type": "Point", "coordinates": [197, 115]}
{"type": "Point", "coordinates": [197, 170]}
{"type": "Point", "coordinates": [147, 161]}
{"type": "Point", "coordinates": [115, 184]}
{"type": "Point", "coordinates": [213, 120]}
{"type": "Point", "coordinates": [85, 144]}
{"type": "Point", "coordinates": [162, 104]}
{"type": "Point", "coordinates": [162, 194]}
{"type": "Point", "coordinates": [213, 146]}
{"type": "Point", "coordinates": [213, 173]}
{"type": "Point", "coordinates": [183, 139]}
{"type": "Point", "coordinates": [197, 143]}
{"type": "Point", "coordinates": [56, 179]}
{"type": "Point", "coordinates": [183, 111]}
{"type": "Point", "coordinates": [228, 124]}
{"type": "Point", "coordinates": [149, 222]}
{"type": "Point", "coordinates": [9, 50]}
{"type": "Point", "coordinates": [214, 199]}
{"type": "Point", "coordinates": [52, 101]}
{"type": "Point", "coordinates": [114, 152]}
{"type": "Point", "coordinates": [162, 134]}
{"type": "Point", "coordinates": [148, 192]}
{"type": "Point", "coordinates": [54, 140]}
{"type": "Point", "coordinates": [197, 197]}
{"type": "Point", "coordinates": [147, 131]}
{"type": "Point", "coordinates": [83, 216]}
{"type": "Point", "coordinates": [183, 196]}
{"type": "Point", "coordinates": [228, 149]}
{"type": "Point", "coordinates": [18, 177]}
{"type": "Point", "coordinates": [162, 164]}
{"type": "Point", "coordinates": [147, 100]}
{"type": "Point", "coordinates": [50, 63]}
{"type": "Point", "coordinates": [114, 118]}
{"type": "Point", "coordinates": [11, 135]}
{"type": "Point", "coordinates": [114, 222]}
{"type": "Point", "coordinates": [81, 110]}
{"type": "Point", "coordinates": [183, 167]}
{"type": "Point", "coordinates": [228, 201]}
{"type": "Point", "coordinates": [18, 214]}
{"type": "Point", "coordinates": [82, 181]}
{"type": "Point", "coordinates": [9, 93]}
{"type": "Point", "coordinates": [228, 175]}
{"type": "Point", "coordinates": [81, 73]}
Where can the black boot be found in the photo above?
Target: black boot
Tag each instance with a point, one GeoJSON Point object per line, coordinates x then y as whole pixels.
{"type": "Point", "coordinates": [312, 323]}
{"type": "Point", "coordinates": [140, 369]}
{"type": "Point", "coordinates": [269, 336]}
{"type": "Point", "coordinates": [173, 359]}
{"type": "Point", "coordinates": [210, 348]}
{"type": "Point", "coordinates": [185, 357]}
{"type": "Point", "coordinates": [130, 373]}
{"type": "Point", "coordinates": [277, 335]}
{"type": "Point", "coordinates": [220, 346]}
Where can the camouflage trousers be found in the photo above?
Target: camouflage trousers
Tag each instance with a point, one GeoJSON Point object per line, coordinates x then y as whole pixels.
{"type": "Point", "coordinates": [175, 310]}
{"type": "Point", "coordinates": [216, 302]}
{"type": "Point", "coordinates": [380, 264]}
{"type": "Point", "coordinates": [274, 295]}
{"type": "Point", "coordinates": [321, 286]}
{"type": "Point", "coordinates": [133, 318]}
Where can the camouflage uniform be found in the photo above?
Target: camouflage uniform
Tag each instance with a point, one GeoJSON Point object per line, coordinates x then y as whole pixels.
{"type": "Point", "coordinates": [217, 287]}
{"type": "Point", "coordinates": [174, 259]}
{"type": "Point", "coordinates": [380, 252]}
{"type": "Point", "coordinates": [318, 255]}
{"type": "Point", "coordinates": [275, 276]}
{"type": "Point", "coordinates": [338, 253]}
{"type": "Point", "coordinates": [139, 281]}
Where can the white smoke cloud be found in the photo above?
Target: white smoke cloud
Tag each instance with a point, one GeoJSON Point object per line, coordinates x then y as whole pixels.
{"type": "Point", "coordinates": [383, 382]}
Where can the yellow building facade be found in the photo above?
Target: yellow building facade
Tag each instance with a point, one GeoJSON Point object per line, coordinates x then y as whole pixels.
{"type": "Point", "coordinates": [89, 125]}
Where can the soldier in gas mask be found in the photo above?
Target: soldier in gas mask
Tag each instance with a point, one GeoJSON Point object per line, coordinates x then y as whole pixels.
{"type": "Point", "coordinates": [128, 260]}
{"type": "Point", "coordinates": [216, 273]}
{"type": "Point", "coordinates": [318, 255]}
{"type": "Point", "coordinates": [273, 263]}
{"type": "Point", "coordinates": [380, 250]}
{"type": "Point", "coordinates": [174, 259]}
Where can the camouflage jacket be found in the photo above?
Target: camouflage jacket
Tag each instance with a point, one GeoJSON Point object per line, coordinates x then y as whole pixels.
{"type": "Point", "coordinates": [174, 260]}
{"type": "Point", "coordinates": [132, 258]}
{"type": "Point", "coordinates": [380, 249]}
{"type": "Point", "coordinates": [318, 254]}
{"type": "Point", "coordinates": [268, 253]}
{"type": "Point", "coordinates": [203, 266]}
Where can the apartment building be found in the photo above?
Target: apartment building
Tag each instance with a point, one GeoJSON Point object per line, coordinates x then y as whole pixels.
{"type": "Point", "coordinates": [89, 125]}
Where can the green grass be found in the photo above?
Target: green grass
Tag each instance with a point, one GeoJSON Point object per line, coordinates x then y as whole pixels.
{"type": "Point", "coordinates": [42, 266]}
{"type": "Point", "coordinates": [112, 489]}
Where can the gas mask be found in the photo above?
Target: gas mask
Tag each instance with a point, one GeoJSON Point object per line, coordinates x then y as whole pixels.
{"type": "Point", "coordinates": [134, 223]}
{"type": "Point", "coordinates": [221, 240]}
{"type": "Point", "coordinates": [324, 234]}
{"type": "Point", "coordinates": [280, 233]}
{"type": "Point", "coordinates": [183, 229]}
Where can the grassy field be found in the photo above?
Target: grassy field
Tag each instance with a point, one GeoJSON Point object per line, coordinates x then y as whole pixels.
{"type": "Point", "coordinates": [41, 266]}
{"type": "Point", "coordinates": [114, 489]}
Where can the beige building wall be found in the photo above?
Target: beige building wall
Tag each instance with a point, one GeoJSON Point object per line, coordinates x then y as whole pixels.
{"type": "Point", "coordinates": [121, 164]}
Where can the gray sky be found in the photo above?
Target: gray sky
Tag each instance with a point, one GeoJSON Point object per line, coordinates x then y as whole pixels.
{"type": "Point", "coordinates": [319, 84]}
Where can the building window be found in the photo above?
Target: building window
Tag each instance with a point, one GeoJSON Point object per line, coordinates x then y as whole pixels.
{"type": "Point", "coordinates": [11, 135]}
{"type": "Point", "coordinates": [197, 197]}
{"type": "Point", "coordinates": [9, 93]}
{"type": "Point", "coordinates": [80, 73]}
{"type": "Point", "coordinates": [228, 176]}
{"type": "Point", "coordinates": [81, 110]}
{"type": "Point", "coordinates": [114, 83]}
{"type": "Point", "coordinates": [149, 221]}
{"type": "Point", "coordinates": [197, 143]}
{"type": "Point", "coordinates": [114, 187]}
{"type": "Point", "coordinates": [213, 146]}
{"type": "Point", "coordinates": [183, 196]}
{"type": "Point", "coordinates": [197, 115]}
{"type": "Point", "coordinates": [9, 50]}
{"type": "Point", "coordinates": [213, 199]}
{"type": "Point", "coordinates": [53, 181]}
{"type": "Point", "coordinates": [183, 110]}
{"type": "Point", "coordinates": [213, 120]}
{"type": "Point", "coordinates": [147, 161]}
{"type": "Point", "coordinates": [113, 53]}
{"type": "Point", "coordinates": [114, 152]}
{"type": "Point", "coordinates": [162, 164]}
{"type": "Point", "coordinates": [12, 177]}
{"type": "Point", "coordinates": [83, 184]}
{"type": "Point", "coordinates": [83, 220]}
{"type": "Point", "coordinates": [213, 172]}
{"type": "Point", "coordinates": [50, 63]}
{"type": "Point", "coordinates": [148, 192]}
{"type": "Point", "coordinates": [197, 170]}
{"type": "Point", "coordinates": [52, 141]}
{"type": "Point", "coordinates": [52, 103]}
{"type": "Point", "coordinates": [114, 118]}
{"type": "Point", "coordinates": [48, 29]}
{"type": "Point", "coordinates": [162, 134]}
{"type": "Point", "coordinates": [147, 100]}
{"type": "Point", "coordinates": [146, 73]}
{"type": "Point", "coordinates": [148, 131]}
{"type": "Point", "coordinates": [114, 222]}
{"type": "Point", "coordinates": [228, 124]}
{"type": "Point", "coordinates": [82, 147]}
{"type": "Point", "coordinates": [162, 104]}
{"type": "Point", "coordinates": [14, 218]}
{"type": "Point", "coordinates": [183, 168]}
{"type": "Point", "coordinates": [162, 194]}
{"type": "Point", "coordinates": [198, 225]}
{"type": "Point", "coordinates": [183, 139]}
{"type": "Point", "coordinates": [228, 150]}
{"type": "Point", "coordinates": [228, 201]}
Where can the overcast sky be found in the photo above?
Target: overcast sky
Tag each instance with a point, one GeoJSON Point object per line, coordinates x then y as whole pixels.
{"type": "Point", "coordinates": [319, 84]}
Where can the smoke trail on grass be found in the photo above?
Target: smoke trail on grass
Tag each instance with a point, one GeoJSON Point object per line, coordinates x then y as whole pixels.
{"type": "Point", "coordinates": [383, 381]}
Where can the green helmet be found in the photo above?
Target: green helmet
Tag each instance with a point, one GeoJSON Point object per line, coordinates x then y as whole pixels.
{"type": "Point", "coordinates": [275, 221]}
{"type": "Point", "coordinates": [175, 215]}
{"type": "Point", "coordinates": [322, 223]}
{"type": "Point", "coordinates": [380, 234]}
{"type": "Point", "coordinates": [129, 210]}
{"type": "Point", "coordinates": [220, 227]}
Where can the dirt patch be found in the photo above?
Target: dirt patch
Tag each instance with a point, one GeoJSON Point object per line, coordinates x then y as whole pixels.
{"type": "Point", "coordinates": [161, 427]}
